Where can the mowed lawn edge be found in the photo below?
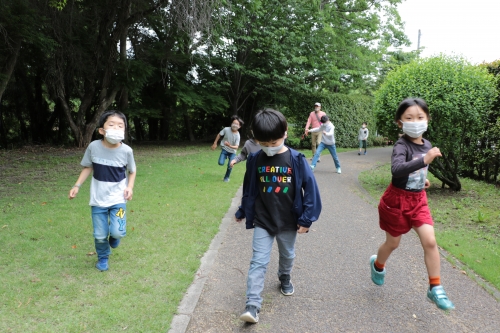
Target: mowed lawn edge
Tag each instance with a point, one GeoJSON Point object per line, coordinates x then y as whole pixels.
{"type": "Point", "coordinates": [50, 283]}
{"type": "Point", "coordinates": [467, 223]}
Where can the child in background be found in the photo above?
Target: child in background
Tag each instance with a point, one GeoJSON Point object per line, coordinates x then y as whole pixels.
{"type": "Point", "coordinates": [403, 206]}
{"type": "Point", "coordinates": [362, 137]}
{"type": "Point", "coordinates": [249, 147]}
{"type": "Point", "coordinates": [109, 161]}
{"type": "Point", "coordinates": [327, 141]}
{"type": "Point", "coordinates": [280, 199]}
{"type": "Point", "coordinates": [229, 143]}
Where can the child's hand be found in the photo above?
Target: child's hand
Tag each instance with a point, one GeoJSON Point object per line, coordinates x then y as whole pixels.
{"type": "Point", "coordinates": [214, 146]}
{"type": "Point", "coordinates": [302, 230]}
{"type": "Point", "coordinates": [427, 183]}
{"type": "Point", "coordinates": [227, 144]}
{"type": "Point", "coordinates": [127, 194]}
{"type": "Point", "coordinates": [233, 162]}
{"type": "Point", "coordinates": [73, 192]}
{"type": "Point", "coordinates": [431, 155]}
{"type": "Point", "coordinates": [238, 220]}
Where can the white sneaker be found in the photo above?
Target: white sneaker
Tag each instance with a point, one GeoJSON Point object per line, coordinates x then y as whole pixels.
{"type": "Point", "coordinates": [338, 170]}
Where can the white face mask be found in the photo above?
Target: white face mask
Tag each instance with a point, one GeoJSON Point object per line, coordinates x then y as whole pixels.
{"type": "Point", "coordinates": [114, 136]}
{"type": "Point", "coordinates": [234, 127]}
{"type": "Point", "coordinates": [271, 151]}
{"type": "Point", "coordinates": [414, 129]}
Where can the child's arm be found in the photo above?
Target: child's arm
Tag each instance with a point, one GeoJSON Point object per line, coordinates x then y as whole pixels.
{"type": "Point", "coordinates": [127, 194]}
{"type": "Point", "coordinates": [312, 200]}
{"type": "Point", "coordinates": [306, 130]}
{"type": "Point", "coordinates": [81, 179]}
{"type": "Point", "coordinates": [313, 130]}
{"type": "Point", "coordinates": [215, 142]}
{"type": "Point", "coordinates": [241, 157]}
{"type": "Point", "coordinates": [227, 144]}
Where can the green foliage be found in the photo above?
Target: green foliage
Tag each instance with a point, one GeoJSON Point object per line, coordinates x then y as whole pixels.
{"type": "Point", "coordinates": [459, 96]}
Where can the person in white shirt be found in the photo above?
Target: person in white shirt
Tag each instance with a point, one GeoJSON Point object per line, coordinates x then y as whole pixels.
{"type": "Point", "coordinates": [327, 141]}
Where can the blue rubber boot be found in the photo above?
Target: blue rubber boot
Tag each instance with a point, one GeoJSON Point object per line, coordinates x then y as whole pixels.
{"type": "Point", "coordinates": [102, 264]}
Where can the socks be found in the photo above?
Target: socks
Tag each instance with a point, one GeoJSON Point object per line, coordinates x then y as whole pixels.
{"type": "Point", "coordinates": [378, 266]}
{"type": "Point", "coordinates": [434, 281]}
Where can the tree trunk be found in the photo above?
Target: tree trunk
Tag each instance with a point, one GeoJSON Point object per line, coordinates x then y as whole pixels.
{"type": "Point", "coordinates": [7, 74]}
{"type": "Point", "coordinates": [189, 129]}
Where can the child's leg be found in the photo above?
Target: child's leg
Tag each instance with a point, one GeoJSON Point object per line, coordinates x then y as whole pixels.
{"type": "Point", "coordinates": [117, 223]}
{"type": "Point", "coordinates": [431, 252]}
{"type": "Point", "coordinates": [321, 147]}
{"type": "Point", "coordinates": [333, 151]}
{"type": "Point", "coordinates": [391, 243]}
{"type": "Point", "coordinates": [360, 145]}
{"type": "Point", "coordinates": [364, 145]}
{"type": "Point", "coordinates": [229, 168]}
{"type": "Point", "coordinates": [286, 247]}
{"type": "Point", "coordinates": [262, 244]}
{"type": "Point", "coordinates": [436, 292]}
{"type": "Point", "coordinates": [101, 231]}
{"type": "Point", "coordinates": [222, 156]}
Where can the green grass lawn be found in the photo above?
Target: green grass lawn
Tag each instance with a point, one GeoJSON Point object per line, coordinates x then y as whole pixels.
{"type": "Point", "coordinates": [467, 223]}
{"type": "Point", "coordinates": [49, 283]}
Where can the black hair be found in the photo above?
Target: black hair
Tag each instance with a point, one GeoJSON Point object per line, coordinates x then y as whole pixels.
{"type": "Point", "coordinates": [365, 123]}
{"type": "Point", "coordinates": [235, 117]}
{"type": "Point", "coordinates": [406, 103]}
{"type": "Point", "coordinates": [109, 113]}
{"type": "Point", "coordinates": [269, 125]}
{"type": "Point", "coordinates": [324, 119]}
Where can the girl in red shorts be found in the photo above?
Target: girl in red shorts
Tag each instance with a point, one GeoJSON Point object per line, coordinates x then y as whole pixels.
{"type": "Point", "coordinates": [404, 204]}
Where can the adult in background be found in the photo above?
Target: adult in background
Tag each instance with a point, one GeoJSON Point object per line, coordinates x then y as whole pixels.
{"type": "Point", "coordinates": [314, 121]}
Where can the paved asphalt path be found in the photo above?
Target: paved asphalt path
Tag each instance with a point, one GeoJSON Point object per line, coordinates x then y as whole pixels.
{"type": "Point", "coordinates": [331, 276]}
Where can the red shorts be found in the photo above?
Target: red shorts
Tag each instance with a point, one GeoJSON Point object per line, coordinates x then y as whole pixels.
{"type": "Point", "coordinates": [400, 210]}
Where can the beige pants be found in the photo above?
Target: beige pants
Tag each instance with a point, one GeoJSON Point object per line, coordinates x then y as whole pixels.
{"type": "Point", "coordinates": [315, 141]}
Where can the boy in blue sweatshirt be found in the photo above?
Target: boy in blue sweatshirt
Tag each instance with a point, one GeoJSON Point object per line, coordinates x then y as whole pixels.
{"type": "Point", "coordinates": [280, 200]}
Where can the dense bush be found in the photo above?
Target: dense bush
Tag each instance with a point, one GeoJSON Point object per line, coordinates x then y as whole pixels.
{"type": "Point", "coordinates": [460, 98]}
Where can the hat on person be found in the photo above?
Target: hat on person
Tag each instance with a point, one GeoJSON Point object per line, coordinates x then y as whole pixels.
{"type": "Point", "coordinates": [317, 104]}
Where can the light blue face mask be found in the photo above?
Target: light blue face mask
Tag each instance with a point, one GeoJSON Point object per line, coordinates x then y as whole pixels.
{"type": "Point", "coordinates": [271, 151]}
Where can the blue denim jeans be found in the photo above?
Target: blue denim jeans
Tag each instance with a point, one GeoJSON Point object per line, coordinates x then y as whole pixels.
{"type": "Point", "coordinates": [262, 245]}
{"type": "Point", "coordinates": [108, 221]}
{"type": "Point", "coordinates": [333, 152]}
{"type": "Point", "coordinates": [222, 159]}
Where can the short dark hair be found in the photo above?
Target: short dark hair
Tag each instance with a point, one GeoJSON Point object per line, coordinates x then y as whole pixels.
{"type": "Point", "coordinates": [324, 119]}
{"type": "Point", "coordinates": [406, 103]}
{"type": "Point", "coordinates": [109, 113]}
{"type": "Point", "coordinates": [269, 125]}
{"type": "Point", "coordinates": [235, 117]}
{"type": "Point", "coordinates": [365, 123]}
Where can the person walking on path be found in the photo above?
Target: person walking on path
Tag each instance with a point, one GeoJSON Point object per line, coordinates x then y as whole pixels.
{"type": "Point", "coordinates": [314, 122]}
{"type": "Point", "coordinates": [108, 160]}
{"type": "Point", "coordinates": [229, 144]}
{"type": "Point", "coordinates": [327, 141]}
{"type": "Point", "coordinates": [403, 205]}
{"type": "Point", "coordinates": [362, 137]}
{"type": "Point", "coordinates": [280, 199]}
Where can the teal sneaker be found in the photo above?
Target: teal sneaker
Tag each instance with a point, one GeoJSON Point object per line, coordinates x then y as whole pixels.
{"type": "Point", "coordinates": [102, 264]}
{"type": "Point", "coordinates": [338, 170]}
{"type": "Point", "coordinates": [312, 168]}
{"type": "Point", "coordinates": [438, 296]}
{"type": "Point", "coordinates": [377, 277]}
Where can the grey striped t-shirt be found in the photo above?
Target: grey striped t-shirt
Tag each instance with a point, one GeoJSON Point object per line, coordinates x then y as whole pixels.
{"type": "Point", "coordinates": [109, 177]}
